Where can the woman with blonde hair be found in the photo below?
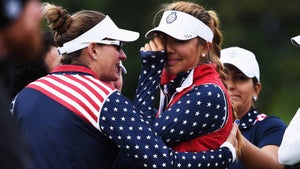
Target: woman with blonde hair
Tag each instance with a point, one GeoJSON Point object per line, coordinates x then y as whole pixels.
{"type": "Point", "coordinates": [195, 112]}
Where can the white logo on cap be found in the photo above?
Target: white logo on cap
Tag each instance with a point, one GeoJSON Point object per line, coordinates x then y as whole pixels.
{"type": "Point", "coordinates": [234, 53]}
{"type": "Point", "coordinates": [171, 18]}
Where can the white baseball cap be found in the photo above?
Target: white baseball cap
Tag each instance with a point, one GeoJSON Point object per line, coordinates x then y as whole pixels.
{"type": "Point", "coordinates": [296, 41]}
{"type": "Point", "coordinates": [182, 26]}
{"type": "Point", "coordinates": [242, 59]}
{"type": "Point", "coordinates": [104, 29]}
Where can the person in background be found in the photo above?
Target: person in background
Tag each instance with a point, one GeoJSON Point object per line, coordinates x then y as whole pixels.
{"type": "Point", "coordinates": [23, 73]}
{"type": "Point", "coordinates": [50, 54]}
{"type": "Point", "coordinates": [76, 119]}
{"type": "Point", "coordinates": [19, 36]}
{"type": "Point", "coordinates": [288, 152]}
{"type": "Point", "coordinates": [262, 134]}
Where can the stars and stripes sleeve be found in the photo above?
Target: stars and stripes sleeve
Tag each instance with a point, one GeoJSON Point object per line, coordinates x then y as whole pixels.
{"type": "Point", "coordinates": [201, 111]}
{"type": "Point", "coordinates": [123, 124]}
{"type": "Point", "coordinates": [181, 121]}
{"type": "Point", "coordinates": [152, 64]}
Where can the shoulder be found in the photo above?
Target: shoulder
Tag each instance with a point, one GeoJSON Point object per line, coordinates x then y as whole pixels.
{"type": "Point", "coordinates": [271, 126]}
{"type": "Point", "coordinates": [268, 131]}
{"type": "Point", "coordinates": [271, 121]}
{"type": "Point", "coordinates": [209, 91]}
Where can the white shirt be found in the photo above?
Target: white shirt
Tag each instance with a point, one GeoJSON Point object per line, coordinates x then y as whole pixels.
{"type": "Point", "coordinates": [289, 150]}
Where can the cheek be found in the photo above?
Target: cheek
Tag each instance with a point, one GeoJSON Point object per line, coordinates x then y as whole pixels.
{"type": "Point", "coordinates": [247, 92]}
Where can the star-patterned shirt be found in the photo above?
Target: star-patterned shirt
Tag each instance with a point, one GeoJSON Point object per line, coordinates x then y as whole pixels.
{"type": "Point", "coordinates": [199, 107]}
{"type": "Point", "coordinates": [73, 120]}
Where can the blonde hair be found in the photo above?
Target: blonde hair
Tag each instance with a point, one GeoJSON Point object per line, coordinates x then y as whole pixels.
{"type": "Point", "coordinates": [67, 27]}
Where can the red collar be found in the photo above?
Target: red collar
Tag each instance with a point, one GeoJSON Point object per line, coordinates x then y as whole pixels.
{"type": "Point", "coordinates": [73, 68]}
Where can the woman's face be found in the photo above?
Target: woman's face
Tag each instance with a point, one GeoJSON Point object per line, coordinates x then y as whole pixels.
{"type": "Point", "coordinates": [241, 89]}
{"type": "Point", "coordinates": [108, 62]}
{"type": "Point", "coordinates": [182, 55]}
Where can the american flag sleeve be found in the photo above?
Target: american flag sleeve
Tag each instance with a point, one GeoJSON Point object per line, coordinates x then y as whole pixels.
{"type": "Point", "coordinates": [152, 64]}
{"type": "Point", "coordinates": [122, 122]}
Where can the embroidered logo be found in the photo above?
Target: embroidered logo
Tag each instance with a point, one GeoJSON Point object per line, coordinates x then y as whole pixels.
{"type": "Point", "coordinates": [171, 17]}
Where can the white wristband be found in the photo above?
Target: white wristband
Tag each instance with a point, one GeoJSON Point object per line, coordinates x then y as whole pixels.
{"type": "Point", "coordinates": [231, 148]}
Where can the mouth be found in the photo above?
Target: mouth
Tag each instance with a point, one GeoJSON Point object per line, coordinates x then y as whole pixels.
{"type": "Point", "coordinates": [235, 97]}
{"type": "Point", "coordinates": [118, 67]}
{"type": "Point", "coordinates": [171, 62]}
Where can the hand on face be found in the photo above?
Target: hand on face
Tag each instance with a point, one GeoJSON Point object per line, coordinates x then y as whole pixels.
{"type": "Point", "coordinates": [155, 44]}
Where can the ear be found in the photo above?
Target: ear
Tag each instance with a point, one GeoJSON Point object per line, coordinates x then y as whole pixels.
{"type": "Point", "coordinates": [91, 49]}
{"type": "Point", "coordinates": [206, 46]}
{"type": "Point", "coordinates": [257, 88]}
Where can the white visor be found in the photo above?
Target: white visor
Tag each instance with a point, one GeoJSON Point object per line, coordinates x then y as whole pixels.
{"type": "Point", "coordinates": [296, 41]}
{"type": "Point", "coordinates": [104, 29]}
{"type": "Point", "coordinates": [182, 26]}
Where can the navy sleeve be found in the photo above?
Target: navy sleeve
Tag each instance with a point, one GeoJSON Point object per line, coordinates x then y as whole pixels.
{"type": "Point", "coordinates": [149, 78]}
{"type": "Point", "coordinates": [199, 112]}
{"type": "Point", "coordinates": [123, 124]}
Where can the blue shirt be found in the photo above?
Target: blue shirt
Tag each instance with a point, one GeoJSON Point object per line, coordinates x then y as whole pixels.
{"type": "Point", "coordinates": [260, 130]}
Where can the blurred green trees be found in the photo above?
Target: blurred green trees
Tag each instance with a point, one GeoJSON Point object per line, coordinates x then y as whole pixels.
{"type": "Point", "coordinates": [262, 26]}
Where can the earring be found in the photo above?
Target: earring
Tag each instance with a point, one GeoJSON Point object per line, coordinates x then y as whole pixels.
{"type": "Point", "coordinates": [255, 98]}
{"type": "Point", "coordinates": [203, 55]}
{"type": "Point", "coordinates": [95, 57]}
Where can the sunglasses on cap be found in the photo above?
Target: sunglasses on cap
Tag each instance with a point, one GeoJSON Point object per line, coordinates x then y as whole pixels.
{"type": "Point", "coordinates": [116, 43]}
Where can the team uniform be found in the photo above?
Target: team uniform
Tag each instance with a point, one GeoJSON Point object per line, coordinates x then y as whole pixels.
{"type": "Point", "coordinates": [196, 100]}
{"type": "Point", "coordinates": [260, 130]}
{"type": "Point", "coordinates": [73, 120]}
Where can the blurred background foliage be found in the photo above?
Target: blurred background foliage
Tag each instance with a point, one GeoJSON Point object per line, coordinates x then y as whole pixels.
{"type": "Point", "coordinates": [261, 26]}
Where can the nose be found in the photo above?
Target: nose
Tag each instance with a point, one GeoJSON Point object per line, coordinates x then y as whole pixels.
{"type": "Point", "coordinates": [169, 48]}
{"type": "Point", "coordinates": [229, 83]}
{"type": "Point", "coordinates": [122, 55]}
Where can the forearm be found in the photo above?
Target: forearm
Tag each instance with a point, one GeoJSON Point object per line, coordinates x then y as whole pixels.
{"type": "Point", "coordinates": [120, 121]}
{"type": "Point", "coordinates": [152, 64]}
{"type": "Point", "coordinates": [253, 157]}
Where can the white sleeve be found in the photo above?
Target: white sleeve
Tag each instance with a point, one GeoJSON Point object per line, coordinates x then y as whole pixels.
{"type": "Point", "coordinates": [289, 150]}
{"type": "Point", "coordinates": [231, 148]}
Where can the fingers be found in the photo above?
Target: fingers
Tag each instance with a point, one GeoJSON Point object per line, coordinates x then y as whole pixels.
{"type": "Point", "coordinates": [155, 44]}
{"type": "Point", "coordinates": [235, 127]}
{"type": "Point", "coordinates": [232, 136]}
{"type": "Point", "coordinates": [158, 40]}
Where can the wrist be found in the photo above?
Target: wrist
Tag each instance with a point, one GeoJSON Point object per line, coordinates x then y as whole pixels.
{"type": "Point", "coordinates": [231, 148]}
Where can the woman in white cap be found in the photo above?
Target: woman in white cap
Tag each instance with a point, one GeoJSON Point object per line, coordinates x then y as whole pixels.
{"type": "Point", "coordinates": [72, 118]}
{"type": "Point", "coordinates": [289, 152]}
{"type": "Point", "coordinates": [195, 112]}
{"type": "Point", "coordinates": [262, 133]}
